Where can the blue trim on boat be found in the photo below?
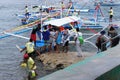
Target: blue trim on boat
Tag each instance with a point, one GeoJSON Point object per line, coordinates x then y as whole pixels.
{"type": "Point", "coordinates": [39, 43]}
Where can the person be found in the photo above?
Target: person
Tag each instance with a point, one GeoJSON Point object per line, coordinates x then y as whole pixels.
{"type": "Point", "coordinates": [101, 42]}
{"type": "Point", "coordinates": [58, 39]}
{"type": "Point", "coordinates": [49, 26]}
{"type": "Point", "coordinates": [31, 67]}
{"type": "Point", "coordinates": [29, 47]}
{"type": "Point", "coordinates": [26, 12]}
{"type": "Point", "coordinates": [52, 39]}
{"type": "Point", "coordinates": [65, 40]}
{"type": "Point", "coordinates": [33, 33]}
{"type": "Point", "coordinates": [62, 5]}
{"type": "Point", "coordinates": [75, 13]}
{"type": "Point", "coordinates": [77, 43]}
{"type": "Point", "coordinates": [46, 37]}
{"type": "Point", "coordinates": [112, 33]}
{"type": "Point", "coordinates": [111, 14]}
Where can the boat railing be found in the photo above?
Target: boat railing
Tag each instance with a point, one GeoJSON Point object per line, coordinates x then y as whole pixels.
{"type": "Point", "coordinates": [109, 40]}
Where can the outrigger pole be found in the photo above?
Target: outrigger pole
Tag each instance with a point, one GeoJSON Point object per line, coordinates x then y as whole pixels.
{"type": "Point", "coordinates": [16, 35]}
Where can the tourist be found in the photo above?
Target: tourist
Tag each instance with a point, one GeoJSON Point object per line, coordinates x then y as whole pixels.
{"type": "Point", "coordinates": [52, 39]}
{"type": "Point", "coordinates": [58, 39]}
{"type": "Point", "coordinates": [77, 42]}
{"type": "Point", "coordinates": [112, 33]}
{"type": "Point", "coordinates": [101, 42]}
{"type": "Point", "coordinates": [65, 40]}
{"type": "Point", "coordinates": [46, 37]}
{"type": "Point", "coordinates": [111, 14]}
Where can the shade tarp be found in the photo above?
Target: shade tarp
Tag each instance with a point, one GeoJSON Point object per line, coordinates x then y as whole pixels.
{"type": "Point", "coordinates": [62, 21]}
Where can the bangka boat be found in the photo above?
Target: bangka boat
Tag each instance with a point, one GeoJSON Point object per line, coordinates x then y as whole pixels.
{"type": "Point", "coordinates": [66, 22]}
{"type": "Point", "coordinates": [107, 3]}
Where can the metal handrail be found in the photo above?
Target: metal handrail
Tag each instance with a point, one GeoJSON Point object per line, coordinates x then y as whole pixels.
{"type": "Point", "coordinates": [109, 40]}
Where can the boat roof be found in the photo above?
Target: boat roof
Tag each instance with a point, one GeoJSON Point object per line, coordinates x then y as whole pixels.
{"type": "Point", "coordinates": [62, 21]}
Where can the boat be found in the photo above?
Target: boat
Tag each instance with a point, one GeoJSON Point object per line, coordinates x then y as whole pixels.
{"type": "Point", "coordinates": [108, 3]}
{"type": "Point", "coordinates": [69, 21]}
{"type": "Point", "coordinates": [36, 12]}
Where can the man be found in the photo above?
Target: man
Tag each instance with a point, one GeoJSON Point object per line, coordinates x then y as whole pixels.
{"type": "Point", "coordinates": [65, 39]}
{"type": "Point", "coordinates": [77, 42]}
{"type": "Point", "coordinates": [34, 31]}
{"type": "Point", "coordinates": [26, 12]}
{"type": "Point", "coordinates": [29, 47]}
{"type": "Point", "coordinates": [101, 42]}
{"type": "Point", "coordinates": [111, 14]}
{"type": "Point", "coordinates": [46, 37]}
{"type": "Point", "coordinates": [31, 67]}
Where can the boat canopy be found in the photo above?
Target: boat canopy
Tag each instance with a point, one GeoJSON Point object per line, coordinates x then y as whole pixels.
{"type": "Point", "coordinates": [62, 21]}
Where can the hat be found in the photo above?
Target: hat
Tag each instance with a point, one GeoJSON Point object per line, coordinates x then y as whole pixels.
{"type": "Point", "coordinates": [26, 56]}
{"type": "Point", "coordinates": [102, 32]}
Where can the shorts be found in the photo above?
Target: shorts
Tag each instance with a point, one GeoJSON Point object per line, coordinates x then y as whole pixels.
{"type": "Point", "coordinates": [46, 42]}
{"type": "Point", "coordinates": [111, 16]}
{"type": "Point", "coordinates": [66, 43]}
{"type": "Point", "coordinates": [27, 14]}
{"type": "Point", "coordinates": [33, 37]}
{"type": "Point", "coordinates": [33, 54]}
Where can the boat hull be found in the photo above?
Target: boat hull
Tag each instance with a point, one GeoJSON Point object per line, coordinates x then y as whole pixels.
{"type": "Point", "coordinates": [108, 3]}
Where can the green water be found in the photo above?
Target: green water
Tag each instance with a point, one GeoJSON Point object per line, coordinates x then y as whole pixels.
{"type": "Point", "coordinates": [113, 74]}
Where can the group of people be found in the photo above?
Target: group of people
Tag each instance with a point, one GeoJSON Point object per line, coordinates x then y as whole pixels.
{"type": "Point", "coordinates": [56, 39]}
{"type": "Point", "coordinates": [112, 40]}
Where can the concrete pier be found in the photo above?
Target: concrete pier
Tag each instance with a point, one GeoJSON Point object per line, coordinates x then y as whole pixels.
{"type": "Point", "coordinates": [90, 68]}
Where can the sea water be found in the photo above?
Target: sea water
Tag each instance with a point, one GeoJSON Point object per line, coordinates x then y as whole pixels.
{"type": "Point", "coordinates": [10, 57]}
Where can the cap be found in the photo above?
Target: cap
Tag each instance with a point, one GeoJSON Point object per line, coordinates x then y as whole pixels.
{"type": "Point", "coordinates": [102, 32]}
{"type": "Point", "coordinates": [26, 56]}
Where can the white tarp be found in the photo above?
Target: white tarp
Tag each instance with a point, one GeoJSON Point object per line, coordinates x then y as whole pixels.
{"type": "Point", "coordinates": [62, 21]}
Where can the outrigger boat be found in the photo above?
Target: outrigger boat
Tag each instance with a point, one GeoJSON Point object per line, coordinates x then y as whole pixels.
{"type": "Point", "coordinates": [82, 24]}
{"type": "Point", "coordinates": [108, 3]}
{"type": "Point", "coordinates": [36, 12]}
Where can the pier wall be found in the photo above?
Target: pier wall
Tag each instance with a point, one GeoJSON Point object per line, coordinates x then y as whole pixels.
{"type": "Point", "coordinates": [97, 67]}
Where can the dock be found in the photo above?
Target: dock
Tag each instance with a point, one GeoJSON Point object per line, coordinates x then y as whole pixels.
{"type": "Point", "coordinates": [90, 68]}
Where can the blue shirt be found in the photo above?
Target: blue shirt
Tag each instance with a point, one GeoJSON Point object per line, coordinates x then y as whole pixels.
{"type": "Point", "coordinates": [46, 35]}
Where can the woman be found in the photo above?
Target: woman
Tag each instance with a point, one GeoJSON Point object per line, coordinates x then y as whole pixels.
{"type": "Point", "coordinates": [58, 39]}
